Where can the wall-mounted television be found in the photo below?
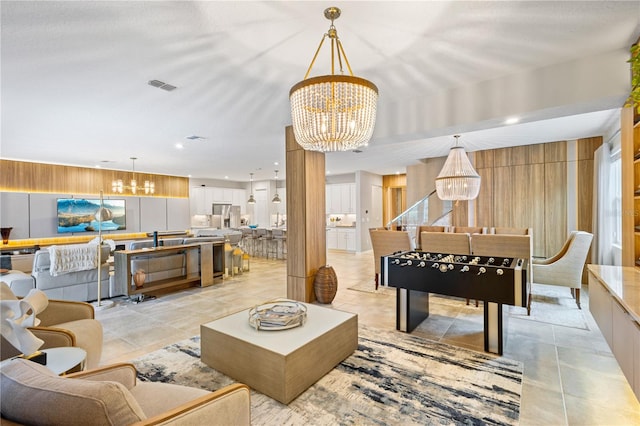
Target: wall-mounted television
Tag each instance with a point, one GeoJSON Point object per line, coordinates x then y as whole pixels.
{"type": "Point", "coordinates": [79, 215]}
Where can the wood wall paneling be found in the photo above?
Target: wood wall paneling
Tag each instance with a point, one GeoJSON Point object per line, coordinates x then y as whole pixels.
{"type": "Point", "coordinates": [529, 182]}
{"type": "Point", "coordinates": [555, 207]}
{"type": "Point", "coordinates": [22, 176]}
{"type": "Point", "coordinates": [484, 159]}
{"type": "Point", "coordinates": [587, 147]}
{"type": "Point", "coordinates": [555, 151]}
{"type": "Point", "coordinates": [484, 210]}
{"type": "Point", "coordinates": [503, 213]}
{"type": "Point", "coordinates": [390, 182]}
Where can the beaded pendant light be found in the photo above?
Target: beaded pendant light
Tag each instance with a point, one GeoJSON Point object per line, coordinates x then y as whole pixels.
{"type": "Point", "coordinates": [457, 180]}
{"type": "Point", "coordinates": [333, 112]}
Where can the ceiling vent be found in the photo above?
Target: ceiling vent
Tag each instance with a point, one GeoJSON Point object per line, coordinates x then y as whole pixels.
{"type": "Point", "coordinates": [162, 85]}
{"type": "Point", "coordinates": [195, 138]}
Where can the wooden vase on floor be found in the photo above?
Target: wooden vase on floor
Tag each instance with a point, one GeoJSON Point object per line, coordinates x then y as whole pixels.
{"type": "Point", "coordinates": [325, 284]}
{"type": "Point", "coordinates": [138, 278]}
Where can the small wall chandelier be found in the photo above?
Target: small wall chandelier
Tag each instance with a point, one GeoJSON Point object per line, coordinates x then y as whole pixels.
{"type": "Point", "coordinates": [333, 112]}
{"type": "Point", "coordinates": [276, 199]}
{"type": "Point", "coordinates": [457, 180]}
{"type": "Point", "coordinates": [118, 186]}
{"type": "Point", "coordinates": [251, 200]}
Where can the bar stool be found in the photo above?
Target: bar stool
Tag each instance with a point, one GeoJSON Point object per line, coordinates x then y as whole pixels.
{"type": "Point", "coordinates": [246, 242]}
{"type": "Point", "coordinates": [259, 237]}
{"type": "Point", "coordinates": [278, 243]}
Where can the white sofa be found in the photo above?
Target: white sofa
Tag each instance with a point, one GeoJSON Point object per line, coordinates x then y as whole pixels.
{"type": "Point", "coordinates": [80, 286]}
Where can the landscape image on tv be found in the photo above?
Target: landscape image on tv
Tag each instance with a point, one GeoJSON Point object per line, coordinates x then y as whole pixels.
{"type": "Point", "coordinates": [79, 215]}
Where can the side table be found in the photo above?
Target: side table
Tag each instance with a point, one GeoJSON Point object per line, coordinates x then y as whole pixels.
{"type": "Point", "coordinates": [61, 360]}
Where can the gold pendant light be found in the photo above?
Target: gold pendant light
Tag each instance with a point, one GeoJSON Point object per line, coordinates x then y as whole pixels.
{"type": "Point", "coordinates": [118, 186]}
{"type": "Point", "coordinates": [333, 112]}
{"type": "Point", "coordinates": [457, 180]}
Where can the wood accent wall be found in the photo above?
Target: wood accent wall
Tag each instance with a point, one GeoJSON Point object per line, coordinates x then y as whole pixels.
{"type": "Point", "coordinates": [22, 176]}
{"type": "Point", "coordinates": [390, 182]}
{"type": "Point", "coordinates": [527, 187]}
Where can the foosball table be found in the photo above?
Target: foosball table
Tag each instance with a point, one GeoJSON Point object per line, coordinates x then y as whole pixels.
{"type": "Point", "coordinates": [497, 281]}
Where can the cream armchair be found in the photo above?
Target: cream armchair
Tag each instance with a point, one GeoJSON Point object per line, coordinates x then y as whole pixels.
{"type": "Point", "coordinates": [111, 395]}
{"type": "Point", "coordinates": [63, 323]}
{"type": "Point", "coordinates": [565, 268]}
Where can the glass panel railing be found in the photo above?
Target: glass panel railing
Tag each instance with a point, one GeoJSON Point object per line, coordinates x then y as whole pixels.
{"type": "Point", "coordinates": [430, 210]}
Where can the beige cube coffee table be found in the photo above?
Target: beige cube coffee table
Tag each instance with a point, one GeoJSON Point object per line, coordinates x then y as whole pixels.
{"type": "Point", "coordinates": [279, 363]}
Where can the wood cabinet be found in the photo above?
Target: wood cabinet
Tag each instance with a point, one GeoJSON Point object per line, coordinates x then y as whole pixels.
{"type": "Point", "coordinates": [202, 266]}
{"type": "Point", "coordinates": [630, 157]}
{"type": "Point", "coordinates": [617, 312]}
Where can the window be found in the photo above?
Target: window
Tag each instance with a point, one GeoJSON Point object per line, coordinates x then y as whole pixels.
{"type": "Point", "coordinates": [615, 189]}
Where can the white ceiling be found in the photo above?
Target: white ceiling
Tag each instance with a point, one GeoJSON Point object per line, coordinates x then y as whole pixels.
{"type": "Point", "coordinates": [74, 78]}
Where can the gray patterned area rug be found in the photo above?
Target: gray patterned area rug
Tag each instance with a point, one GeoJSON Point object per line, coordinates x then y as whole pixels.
{"type": "Point", "coordinates": [393, 378]}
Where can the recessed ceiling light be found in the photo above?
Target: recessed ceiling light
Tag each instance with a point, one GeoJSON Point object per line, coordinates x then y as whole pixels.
{"type": "Point", "coordinates": [179, 146]}
{"type": "Point", "coordinates": [226, 177]}
{"type": "Point", "coordinates": [397, 173]}
{"type": "Point", "coordinates": [98, 166]}
{"type": "Point", "coordinates": [511, 120]}
{"type": "Point", "coordinates": [275, 163]}
{"type": "Point", "coordinates": [328, 172]}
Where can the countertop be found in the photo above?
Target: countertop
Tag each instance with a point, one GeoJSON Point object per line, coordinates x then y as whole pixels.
{"type": "Point", "coordinates": [623, 282]}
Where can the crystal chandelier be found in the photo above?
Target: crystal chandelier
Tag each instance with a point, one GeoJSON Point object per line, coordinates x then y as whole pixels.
{"type": "Point", "coordinates": [333, 112]}
{"type": "Point", "coordinates": [457, 180]}
{"type": "Point", "coordinates": [118, 186]}
{"type": "Point", "coordinates": [276, 199]}
{"type": "Point", "coordinates": [251, 200]}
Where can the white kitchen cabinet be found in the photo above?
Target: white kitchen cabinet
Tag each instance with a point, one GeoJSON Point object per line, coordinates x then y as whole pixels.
{"type": "Point", "coordinates": [341, 239]}
{"type": "Point", "coordinates": [196, 200]}
{"type": "Point", "coordinates": [347, 198]}
{"type": "Point", "coordinates": [239, 198]}
{"type": "Point", "coordinates": [335, 199]}
{"type": "Point", "coordinates": [332, 238]}
{"type": "Point", "coordinates": [340, 198]}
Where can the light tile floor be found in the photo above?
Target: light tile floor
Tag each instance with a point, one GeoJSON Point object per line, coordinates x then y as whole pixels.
{"type": "Point", "coordinates": [570, 375]}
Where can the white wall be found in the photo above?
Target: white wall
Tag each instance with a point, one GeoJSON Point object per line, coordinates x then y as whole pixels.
{"type": "Point", "coordinates": [34, 215]}
{"type": "Point", "coordinates": [365, 181]}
